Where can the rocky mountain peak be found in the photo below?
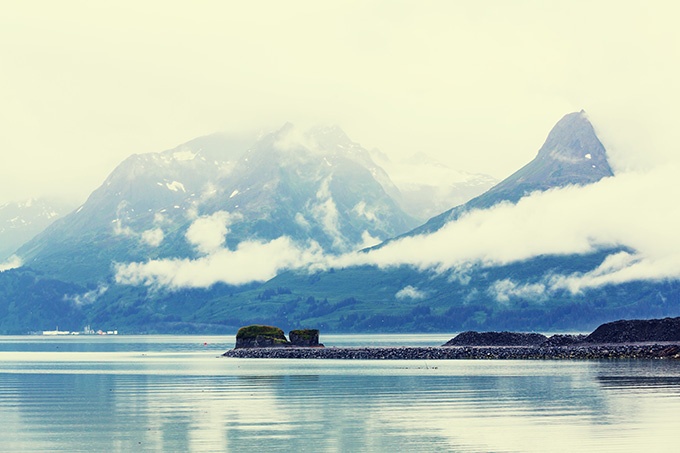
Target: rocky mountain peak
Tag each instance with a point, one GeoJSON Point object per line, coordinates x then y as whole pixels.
{"type": "Point", "coordinates": [330, 137]}
{"type": "Point", "coordinates": [573, 140]}
{"type": "Point", "coordinates": [571, 155]}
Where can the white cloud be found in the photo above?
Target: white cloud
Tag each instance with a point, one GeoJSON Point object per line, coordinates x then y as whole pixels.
{"type": "Point", "coordinates": [12, 262]}
{"type": "Point", "coordinates": [209, 191]}
{"type": "Point", "coordinates": [294, 138]}
{"type": "Point", "coordinates": [621, 268]}
{"type": "Point", "coordinates": [300, 220]}
{"type": "Point", "coordinates": [360, 209]}
{"type": "Point", "coordinates": [159, 218]}
{"type": "Point", "coordinates": [251, 261]}
{"type": "Point", "coordinates": [326, 213]}
{"type": "Point", "coordinates": [485, 113]}
{"type": "Point", "coordinates": [153, 237]}
{"type": "Point", "coordinates": [629, 211]}
{"type": "Point", "coordinates": [410, 292]}
{"type": "Point", "coordinates": [504, 290]}
{"type": "Point", "coordinates": [88, 297]}
{"type": "Point", "coordinates": [208, 233]}
{"type": "Point", "coordinates": [368, 240]}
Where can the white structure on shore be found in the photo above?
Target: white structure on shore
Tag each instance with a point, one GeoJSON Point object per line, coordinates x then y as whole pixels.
{"type": "Point", "coordinates": [56, 332]}
{"type": "Point", "coordinates": [86, 331]}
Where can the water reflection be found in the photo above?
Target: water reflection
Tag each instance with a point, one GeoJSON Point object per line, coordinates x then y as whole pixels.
{"type": "Point", "coordinates": [165, 400]}
{"type": "Point", "coordinates": [660, 375]}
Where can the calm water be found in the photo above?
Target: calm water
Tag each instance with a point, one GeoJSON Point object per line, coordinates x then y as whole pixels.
{"type": "Point", "coordinates": [173, 393]}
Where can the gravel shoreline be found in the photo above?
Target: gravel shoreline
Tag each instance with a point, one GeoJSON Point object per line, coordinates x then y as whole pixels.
{"type": "Point", "coordinates": [575, 352]}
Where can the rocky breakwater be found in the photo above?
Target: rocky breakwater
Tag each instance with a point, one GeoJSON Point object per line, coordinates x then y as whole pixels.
{"type": "Point", "coordinates": [587, 352]}
{"type": "Point", "coordinates": [637, 339]}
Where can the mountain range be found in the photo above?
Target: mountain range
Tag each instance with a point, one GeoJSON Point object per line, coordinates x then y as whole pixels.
{"type": "Point", "coordinates": [153, 248]}
{"type": "Point", "coordinates": [21, 221]}
{"type": "Point", "coordinates": [315, 185]}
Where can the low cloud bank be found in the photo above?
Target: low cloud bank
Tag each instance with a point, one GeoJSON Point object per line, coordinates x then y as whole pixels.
{"type": "Point", "coordinates": [637, 211]}
{"type": "Point", "coordinates": [251, 261]}
{"type": "Point", "coordinates": [12, 262]}
{"type": "Point", "coordinates": [410, 292]}
{"type": "Point", "coordinates": [87, 298]}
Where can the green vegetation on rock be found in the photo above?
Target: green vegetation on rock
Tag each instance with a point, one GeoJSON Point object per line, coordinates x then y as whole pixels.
{"type": "Point", "coordinates": [260, 336]}
{"type": "Point", "coordinates": [306, 334]}
{"type": "Point", "coordinates": [249, 332]}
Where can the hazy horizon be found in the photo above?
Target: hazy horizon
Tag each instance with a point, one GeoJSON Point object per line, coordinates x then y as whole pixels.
{"type": "Point", "coordinates": [477, 87]}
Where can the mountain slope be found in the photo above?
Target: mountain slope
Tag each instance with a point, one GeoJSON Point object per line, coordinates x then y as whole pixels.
{"type": "Point", "coordinates": [146, 197]}
{"type": "Point", "coordinates": [499, 296]}
{"type": "Point", "coordinates": [319, 185]}
{"type": "Point", "coordinates": [571, 155]}
{"type": "Point", "coordinates": [316, 186]}
{"type": "Point", "coordinates": [428, 187]}
{"type": "Point", "coordinates": [21, 221]}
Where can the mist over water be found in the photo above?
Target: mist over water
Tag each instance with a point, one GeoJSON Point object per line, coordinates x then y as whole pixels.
{"type": "Point", "coordinates": [166, 393]}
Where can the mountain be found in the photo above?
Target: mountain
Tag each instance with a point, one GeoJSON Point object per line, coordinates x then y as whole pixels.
{"type": "Point", "coordinates": [502, 296]}
{"type": "Point", "coordinates": [308, 185]}
{"type": "Point", "coordinates": [20, 221]}
{"type": "Point", "coordinates": [126, 217]}
{"type": "Point", "coordinates": [316, 185]}
{"type": "Point", "coordinates": [571, 155]}
{"type": "Point", "coordinates": [428, 187]}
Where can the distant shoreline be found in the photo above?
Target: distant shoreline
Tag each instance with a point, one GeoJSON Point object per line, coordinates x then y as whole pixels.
{"type": "Point", "coordinates": [656, 350]}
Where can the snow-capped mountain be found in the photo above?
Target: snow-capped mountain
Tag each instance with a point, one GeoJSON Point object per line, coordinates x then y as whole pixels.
{"type": "Point", "coordinates": [428, 187]}
{"type": "Point", "coordinates": [20, 221]}
{"type": "Point", "coordinates": [313, 185]}
{"type": "Point", "coordinates": [571, 155]}
{"type": "Point", "coordinates": [316, 185]}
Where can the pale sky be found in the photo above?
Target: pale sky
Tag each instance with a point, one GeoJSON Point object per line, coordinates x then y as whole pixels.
{"type": "Point", "coordinates": [476, 85]}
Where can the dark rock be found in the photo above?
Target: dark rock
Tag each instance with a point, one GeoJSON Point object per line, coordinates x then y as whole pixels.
{"type": "Point", "coordinates": [564, 340]}
{"type": "Point", "coordinates": [636, 331]}
{"type": "Point", "coordinates": [304, 338]}
{"type": "Point", "coordinates": [258, 336]}
{"type": "Point", "coordinates": [472, 338]}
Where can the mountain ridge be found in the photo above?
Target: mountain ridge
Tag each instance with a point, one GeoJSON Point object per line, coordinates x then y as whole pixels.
{"type": "Point", "coordinates": [571, 155]}
{"type": "Point", "coordinates": [318, 185]}
{"type": "Point", "coordinates": [366, 298]}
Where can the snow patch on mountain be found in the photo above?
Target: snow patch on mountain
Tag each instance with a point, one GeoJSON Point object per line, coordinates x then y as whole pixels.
{"type": "Point", "coordinates": [175, 186]}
